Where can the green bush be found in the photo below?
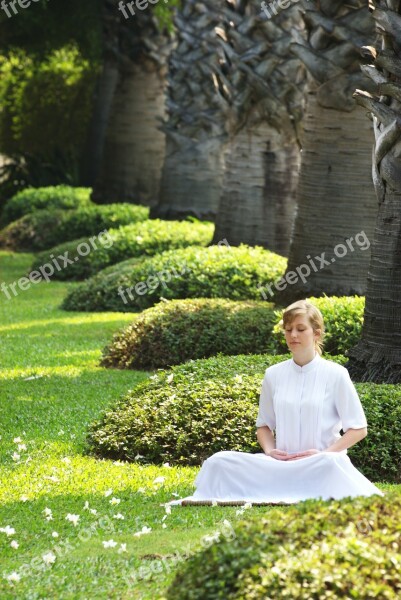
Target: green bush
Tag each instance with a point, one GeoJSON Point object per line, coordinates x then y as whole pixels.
{"type": "Point", "coordinates": [173, 332]}
{"type": "Point", "coordinates": [45, 228]}
{"type": "Point", "coordinates": [199, 408]}
{"type": "Point", "coordinates": [316, 550]}
{"type": "Point", "coordinates": [32, 199]}
{"type": "Point", "coordinates": [214, 272]}
{"type": "Point", "coordinates": [343, 319]}
{"type": "Point", "coordinates": [137, 240]}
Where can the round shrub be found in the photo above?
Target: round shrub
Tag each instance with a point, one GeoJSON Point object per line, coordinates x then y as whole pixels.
{"type": "Point", "coordinates": [214, 272]}
{"type": "Point", "coordinates": [343, 320]}
{"type": "Point", "coordinates": [45, 228]}
{"type": "Point", "coordinates": [173, 332]}
{"type": "Point", "coordinates": [32, 199]}
{"type": "Point", "coordinates": [315, 550]}
{"type": "Point", "coordinates": [199, 408]}
{"type": "Point", "coordinates": [136, 240]}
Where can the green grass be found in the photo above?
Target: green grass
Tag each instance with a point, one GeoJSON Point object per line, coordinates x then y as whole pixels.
{"type": "Point", "coordinates": [51, 389]}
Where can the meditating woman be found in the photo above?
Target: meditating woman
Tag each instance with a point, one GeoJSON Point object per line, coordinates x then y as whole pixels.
{"type": "Point", "coordinates": [306, 401]}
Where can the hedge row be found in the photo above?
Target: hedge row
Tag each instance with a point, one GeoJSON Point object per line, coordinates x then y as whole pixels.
{"type": "Point", "coordinates": [32, 199]}
{"type": "Point", "coordinates": [142, 239]}
{"type": "Point", "coordinates": [214, 272]}
{"type": "Point", "coordinates": [316, 550]}
{"type": "Point", "coordinates": [173, 332]}
{"type": "Point", "coordinates": [201, 407]}
{"type": "Point", "coordinates": [44, 229]}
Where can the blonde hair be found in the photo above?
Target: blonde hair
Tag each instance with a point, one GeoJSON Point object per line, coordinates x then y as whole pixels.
{"type": "Point", "coordinates": [315, 317]}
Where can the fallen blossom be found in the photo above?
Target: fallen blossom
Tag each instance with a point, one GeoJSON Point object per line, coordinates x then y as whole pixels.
{"type": "Point", "coordinates": [109, 544]}
{"type": "Point", "coordinates": [108, 493]}
{"type": "Point", "coordinates": [14, 576]}
{"type": "Point", "coordinates": [8, 530]}
{"type": "Point", "coordinates": [114, 501]}
{"type": "Point", "coordinates": [49, 558]}
{"type": "Point", "coordinates": [14, 544]}
{"type": "Point", "coordinates": [73, 519]}
{"type": "Point", "coordinates": [119, 516]}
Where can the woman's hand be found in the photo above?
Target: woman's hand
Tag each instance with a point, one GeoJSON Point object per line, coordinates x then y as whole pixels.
{"type": "Point", "coordinates": [304, 454]}
{"type": "Point", "coordinates": [279, 454]}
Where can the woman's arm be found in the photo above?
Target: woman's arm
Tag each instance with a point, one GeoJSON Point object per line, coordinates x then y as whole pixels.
{"type": "Point", "coordinates": [268, 443]}
{"type": "Point", "coordinates": [348, 439]}
{"type": "Point", "coordinates": [266, 439]}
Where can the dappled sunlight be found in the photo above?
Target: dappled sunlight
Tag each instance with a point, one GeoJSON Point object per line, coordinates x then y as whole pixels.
{"type": "Point", "coordinates": [80, 319]}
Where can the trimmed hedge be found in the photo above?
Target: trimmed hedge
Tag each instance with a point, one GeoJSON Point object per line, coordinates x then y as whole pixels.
{"type": "Point", "coordinates": [136, 240]}
{"type": "Point", "coordinates": [199, 408]}
{"type": "Point", "coordinates": [214, 272]}
{"type": "Point", "coordinates": [316, 550]}
{"type": "Point", "coordinates": [32, 199]}
{"type": "Point", "coordinates": [45, 228]}
{"type": "Point", "coordinates": [173, 332]}
{"type": "Point", "coordinates": [343, 319]}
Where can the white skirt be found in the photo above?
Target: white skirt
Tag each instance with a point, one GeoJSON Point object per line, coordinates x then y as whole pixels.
{"type": "Point", "coordinates": [237, 477]}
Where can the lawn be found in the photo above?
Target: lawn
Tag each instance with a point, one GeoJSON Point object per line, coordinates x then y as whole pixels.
{"type": "Point", "coordinates": [51, 389]}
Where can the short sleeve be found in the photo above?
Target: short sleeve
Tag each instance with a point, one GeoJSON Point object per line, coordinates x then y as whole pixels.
{"type": "Point", "coordinates": [348, 404]}
{"type": "Point", "coordinates": [266, 415]}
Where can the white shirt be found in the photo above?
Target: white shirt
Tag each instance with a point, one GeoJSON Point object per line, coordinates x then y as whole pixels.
{"type": "Point", "coordinates": [308, 406]}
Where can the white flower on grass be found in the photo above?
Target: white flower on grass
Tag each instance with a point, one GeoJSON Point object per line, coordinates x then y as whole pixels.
{"type": "Point", "coordinates": [24, 498]}
{"type": "Point", "coordinates": [55, 534]}
{"type": "Point", "coordinates": [114, 501]}
{"type": "Point", "coordinates": [86, 506]}
{"type": "Point", "coordinates": [93, 511]}
{"type": "Point", "coordinates": [14, 544]}
{"type": "Point", "coordinates": [109, 544]}
{"type": "Point", "coordinates": [159, 480]}
{"type": "Point", "coordinates": [122, 548]}
{"type": "Point", "coordinates": [16, 456]}
{"type": "Point", "coordinates": [141, 490]}
{"type": "Point", "coordinates": [48, 513]}
{"type": "Point", "coordinates": [7, 530]}
{"type": "Point", "coordinates": [108, 492]}
{"type": "Point", "coordinates": [73, 519]}
{"type": "Point", "coordinates": [170, 378]}
{"type": "Point", "coordinates": [49, 558]}
{"type": "Point", "coordinates": [61, 432]}
{"type": "Point", "coordinates": [119, 516]}
{"type": "Point", "coordinates": [14, 576]}
{"type": "Point", "coordinates": [21, 447]}
{"type": "Point", "coordinates": [144, 531]}
{"type": "Point", "coordinates": [17, 440]}
{"type": "Point", "coordinates": [164, 526]}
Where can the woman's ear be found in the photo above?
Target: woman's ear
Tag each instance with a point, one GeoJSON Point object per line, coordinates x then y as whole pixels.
{"type": "Point", "coordinates": [318, 333]}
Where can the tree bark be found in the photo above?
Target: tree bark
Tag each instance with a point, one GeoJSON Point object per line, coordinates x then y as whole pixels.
{"type": "Point", "coordinates": [257, 206]}
{"type": "Point", "coordinates": [377, 357]}
{"type": "Point", "coordinates": [336, 197]}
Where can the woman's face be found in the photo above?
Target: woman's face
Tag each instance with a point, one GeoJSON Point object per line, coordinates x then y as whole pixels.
{"type": "Point", "coordinates": [299, 334]}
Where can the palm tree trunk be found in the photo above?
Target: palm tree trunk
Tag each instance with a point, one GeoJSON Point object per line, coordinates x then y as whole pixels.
{"type": "Point", "coordinates": [196, 124]}
{"type": "Point", "coordinates": [134, 146]}
{"type": "Point", "coordinates": [377, 357]}
{"type": "Point", "coordinates": [336, 202]}
{"type": "Point", "coordinates": [336, 199]}
{"type": "Point", "coordinates": [257, 206]}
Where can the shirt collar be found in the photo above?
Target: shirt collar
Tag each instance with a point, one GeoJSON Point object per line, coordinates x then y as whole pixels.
{"type": "Point", "coordinates": [309, 366]}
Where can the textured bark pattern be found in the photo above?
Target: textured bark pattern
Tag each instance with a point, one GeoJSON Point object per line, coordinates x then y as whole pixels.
{"type": "Point", "coordinates": [265, 93]}
{"type": "Point", "coordinates": [258, 201]}
{"type": "Point", "coordinates": [336, 197]}
{"type": "Point", "coordinates": [377, 357]}
{"type": "Point", "coordinates": [134, 147]}
{"type": "Point", "coordinates": [197, 116]}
